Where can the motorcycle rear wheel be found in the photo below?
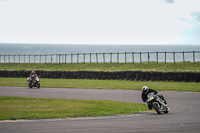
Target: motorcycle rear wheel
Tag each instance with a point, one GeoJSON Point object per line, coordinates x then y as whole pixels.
{"type": "Point", "coordinates": [166, 112]}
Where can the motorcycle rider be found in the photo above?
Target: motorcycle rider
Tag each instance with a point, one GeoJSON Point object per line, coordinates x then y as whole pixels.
{"type": "Point", "coordinates": [31, 75]}
{"type": "Point", "coordinates": [145, 91]}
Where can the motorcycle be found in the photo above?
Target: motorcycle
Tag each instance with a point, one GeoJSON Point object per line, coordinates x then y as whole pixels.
{"type": "Point", "coordinates": [157, 103]}
{"type": "Point", "coordinates": [35, 82]}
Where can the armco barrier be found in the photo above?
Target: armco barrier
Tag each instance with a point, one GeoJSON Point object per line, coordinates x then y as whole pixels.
{"type": "Point", "coordinates": [120, 75]}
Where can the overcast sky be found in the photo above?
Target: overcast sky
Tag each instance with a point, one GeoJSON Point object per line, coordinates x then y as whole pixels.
{"type": "Point", "coordinates": [100, 21]}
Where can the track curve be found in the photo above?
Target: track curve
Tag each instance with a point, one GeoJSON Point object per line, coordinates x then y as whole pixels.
{"type": "Point", "coordinates": [183, 117]}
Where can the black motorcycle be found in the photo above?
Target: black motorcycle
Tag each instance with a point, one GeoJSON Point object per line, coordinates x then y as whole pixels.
{"type": "Point", "coordinates": [35, 82]}
{"type": "Point", "coordinates": [156, 102]}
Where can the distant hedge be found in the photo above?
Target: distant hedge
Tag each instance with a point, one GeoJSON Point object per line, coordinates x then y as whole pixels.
{"type": "Point", "coordinates": [120, 75]}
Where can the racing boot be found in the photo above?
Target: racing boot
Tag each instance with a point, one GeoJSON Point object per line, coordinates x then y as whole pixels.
{"type": "Point", "coordinates": [149, 106]}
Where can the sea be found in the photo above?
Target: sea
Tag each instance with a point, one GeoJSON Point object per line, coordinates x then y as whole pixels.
{"type": "Point", "coordinates": [80, 49]}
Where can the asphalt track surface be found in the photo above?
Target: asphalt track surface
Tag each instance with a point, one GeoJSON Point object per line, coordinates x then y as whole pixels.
{"type": "Point", "coordinates": [184, 116]}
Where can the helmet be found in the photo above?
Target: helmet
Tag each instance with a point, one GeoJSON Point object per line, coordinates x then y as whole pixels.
{"type": "Point", "coordinates": [33, 72]}
{"type": "Point", "coordinates": [145, 89]}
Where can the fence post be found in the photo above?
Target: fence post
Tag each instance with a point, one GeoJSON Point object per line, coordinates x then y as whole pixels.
{"type": "Point", "coordinates": [110, 57]}
{"type": "Point", "coordinates": [125, 57]}
{"type": "Point", "coordinates": [28, 58]}
{"type": "Point", "coordinates": [140, 57]}
{"type": "Point", "coordinates": [40, 58]}
{"type": "Point", "coordinates": [77, 58]}
{"type": "Point", "coordinates": [157, 57]}
{"type": "Point", "coordinates": [34, 59]}
{"type": "Point", "coordinates": [133, 57]}
{"type": "Point", "coordinates": [24, 58]}
{"type": "Point", "coordinates": [46, 58]}
{"type": "Point", "coordinates": [65, 58]}
{"type": "Point", "coordinates": [103, 57]}
{"type": "Point", "coordinates": [194, 56]}
{"type": "Point", "coordinates": [71, 58]}
{"type": "Point", "coordinates": [60, 58]}
{"type": "Point", "coordinates": [174, 57]}
{"type": "Point", "coordinates": [90, 58]}
{"type": "Point", "coordinates": [19, 58]}
{"type": "Point", "coordinates": [97, 57]}
{"type": "Point", "coordinates": [84, 58]}
{"type": "Point", "coordinates": [165, 57]}
{"type": "Point", "coordinates": [148, 56]}
{"type": "Point", "coordinates": [9, 58]}
{"type": "Point", "coordinates": [183, 57]}
{"type": "Point", "coordinates": [117, 57]}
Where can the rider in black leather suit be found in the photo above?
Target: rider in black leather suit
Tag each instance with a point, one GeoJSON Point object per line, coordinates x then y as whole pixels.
{"type": "Point", "coordinates": [146, 91]}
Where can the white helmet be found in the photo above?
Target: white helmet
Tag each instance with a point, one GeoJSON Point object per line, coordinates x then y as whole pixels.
{"type": "Point", "coordinates": [145, 89]}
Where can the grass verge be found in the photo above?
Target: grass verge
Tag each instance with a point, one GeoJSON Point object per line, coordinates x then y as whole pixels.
{"type": "Point", "coordinates": [152, 66]}
{"type": "Point", "coordinates": [106, 84]}
{"type": "Point", "coordinates": [12, 108]}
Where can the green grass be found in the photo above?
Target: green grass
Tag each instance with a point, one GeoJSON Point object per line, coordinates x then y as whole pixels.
{"type": "Point", "coordinates": [12, 108]}
{"type": "Point", "coordinates": [106, 84]}
{"type": "Point", "coordinates": [168, 67]}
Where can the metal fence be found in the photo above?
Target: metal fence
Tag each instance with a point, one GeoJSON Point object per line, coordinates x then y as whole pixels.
{"type": "Point", "coordinates": [125, 57]}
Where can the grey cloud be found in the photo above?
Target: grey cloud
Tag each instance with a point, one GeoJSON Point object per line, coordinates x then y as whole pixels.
{"type": "Point", "coordinates": [191, 35]}
{"type": "Point", "coordinates": [196, 16]}
{"type": "Point", "coordinates": [169, 1]}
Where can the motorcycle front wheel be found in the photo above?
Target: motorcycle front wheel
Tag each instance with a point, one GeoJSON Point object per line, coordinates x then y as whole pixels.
{"type": "Point", "coordinates": [30, 86]}
{"type": "Point", "coordinates": [155, 106]}
{"type": "Point", "coordinates": [38, 85]}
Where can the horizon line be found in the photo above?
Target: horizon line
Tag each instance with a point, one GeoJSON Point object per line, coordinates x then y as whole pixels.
{"type": "Point", "coordinates": [88, 44]}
